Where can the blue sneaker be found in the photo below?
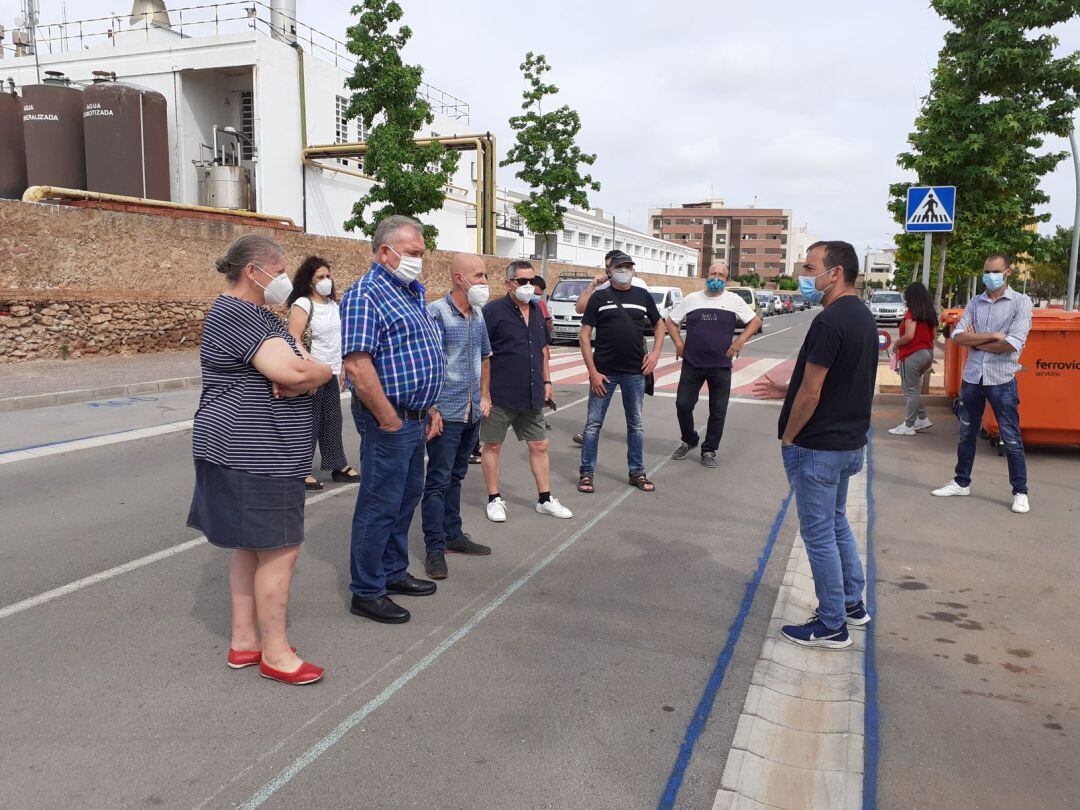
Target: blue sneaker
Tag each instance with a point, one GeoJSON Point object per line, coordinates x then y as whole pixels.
{"type": "Point", "coordinates": [857, 614]}
{"type": "Point", "coordinates": [815, 634]}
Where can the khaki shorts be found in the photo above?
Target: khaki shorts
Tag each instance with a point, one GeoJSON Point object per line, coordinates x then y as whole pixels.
{"type": "Point", "coordinates": [528, 425]}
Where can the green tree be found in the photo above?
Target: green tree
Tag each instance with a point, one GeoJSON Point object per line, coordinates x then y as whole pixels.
{"type": "Point", "coordinates": [751, 279]}
{"type": "Point", "coordinates": [549, 157]}
{"type": "Point", "coordinates": [1048, 272]}
{"type": "Point", "coordinates": [996, 92]}
{"type": "Point", "coordinates": [788, 284]}
{"type": "Point", "coordinates": [409, 178]}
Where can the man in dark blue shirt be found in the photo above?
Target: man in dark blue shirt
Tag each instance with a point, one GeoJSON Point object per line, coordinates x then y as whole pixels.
{"type": "Point", "coordinates": [513, 392]}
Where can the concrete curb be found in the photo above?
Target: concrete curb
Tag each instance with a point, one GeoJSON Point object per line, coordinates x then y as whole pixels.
{"type": "Point", "coordinates": [799, 741]}
{"type": "Point", "coordinates": [87, 394]}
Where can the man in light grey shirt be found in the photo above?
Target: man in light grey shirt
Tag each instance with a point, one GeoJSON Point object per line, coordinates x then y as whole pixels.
{"type": "Point", "coordinates": [994, 328]}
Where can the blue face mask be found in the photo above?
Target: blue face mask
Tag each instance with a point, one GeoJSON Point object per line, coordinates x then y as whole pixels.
{"type": "Point", "coordinates": [994, 281]}
{"type": "Point", "coordinates": [809, 290]}
{"type": "Point", "coordinates": [715, 285]}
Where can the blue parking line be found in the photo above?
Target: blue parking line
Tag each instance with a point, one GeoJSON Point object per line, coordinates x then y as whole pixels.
{"type": "Point", "coordinates": [872, 718]}
{"type": "Point", "coordinates": [705, 705]}
{"type": "Point", "coordinates": [68, 441]}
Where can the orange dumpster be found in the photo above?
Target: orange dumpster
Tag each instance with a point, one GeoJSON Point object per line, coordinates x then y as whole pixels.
{"type": "Point", "coordinates": [1049, 381]}
{"type": "Point", "coordinates": [955, 356]}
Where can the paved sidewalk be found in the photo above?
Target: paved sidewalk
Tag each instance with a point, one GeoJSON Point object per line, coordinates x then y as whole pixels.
{"type": "Point", "coordinates": [41, 383]}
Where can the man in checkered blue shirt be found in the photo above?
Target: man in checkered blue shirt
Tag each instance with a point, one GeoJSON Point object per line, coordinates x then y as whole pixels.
{"type": "Point", "coordinates": [395, 365]}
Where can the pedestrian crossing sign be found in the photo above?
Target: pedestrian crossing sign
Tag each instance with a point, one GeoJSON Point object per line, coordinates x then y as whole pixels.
{"type": "Point", "coordinates": [930, 209]}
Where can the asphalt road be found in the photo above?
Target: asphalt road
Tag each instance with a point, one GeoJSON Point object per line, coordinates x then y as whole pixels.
{"type": "Point", "coordinates": [561, 672]}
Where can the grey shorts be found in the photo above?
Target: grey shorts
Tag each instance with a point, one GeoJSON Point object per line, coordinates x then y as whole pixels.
{"type": "Point", "coordinates": [528, 426]}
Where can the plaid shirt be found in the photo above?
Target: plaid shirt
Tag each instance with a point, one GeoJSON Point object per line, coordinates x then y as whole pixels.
{"type": "Point", "coordinates": [387, 319]}
{"type": "Point", "coordinates": [465, 343]}
{"type": "Point", "coordinates": [1010, 314]}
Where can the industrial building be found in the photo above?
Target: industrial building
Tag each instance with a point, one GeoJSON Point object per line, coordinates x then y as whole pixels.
{"type": "Point", "coordinates": [239, 105]}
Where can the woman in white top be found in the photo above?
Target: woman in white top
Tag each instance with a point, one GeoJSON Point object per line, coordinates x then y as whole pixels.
{"type": "Point", "coordinates": [313, 309]}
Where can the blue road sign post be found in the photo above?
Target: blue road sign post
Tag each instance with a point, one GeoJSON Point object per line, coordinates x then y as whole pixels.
{"type": "Point", "coordinates": [930, 210]}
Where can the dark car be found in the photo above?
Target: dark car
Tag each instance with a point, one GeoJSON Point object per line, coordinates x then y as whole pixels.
{"type": "Point", "coordinates": [800, 302]}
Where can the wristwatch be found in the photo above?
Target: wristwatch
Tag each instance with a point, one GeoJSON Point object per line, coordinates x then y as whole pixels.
{"type": "Point", "coordinates": [547, 382]}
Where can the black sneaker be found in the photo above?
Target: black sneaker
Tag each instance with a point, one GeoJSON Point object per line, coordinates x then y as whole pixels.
{"type": "Point", "coordinates": [681, 452]}
{"type": "Point", "coordinates": [435, 565]}
{"type": "Point", "coordinates": [465, 545]}
{"type": "Point", "coordinates": [708, 459]}
{"type": "Point", "coordinates": [579, 438]}
{"type": "Point", "coordinates": [474, 459]}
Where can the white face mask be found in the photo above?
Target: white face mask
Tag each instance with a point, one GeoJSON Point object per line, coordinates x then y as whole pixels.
{"type": "Point", "coordinates": [478, 295]}
{"type": "Point", "coordinates": [324, 286]}
{"type": "Point", "coordinates": [622, 277]}
{"type": "Point", "coordinates": [278, 290]}
{"type": "Point", "coordinates": [525, 293]}
{"type": "Point", "coordinates": [409, 268]}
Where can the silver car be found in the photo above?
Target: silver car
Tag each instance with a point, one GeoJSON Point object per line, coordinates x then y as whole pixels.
{"type": "Point", "coordinates": [887, 306]}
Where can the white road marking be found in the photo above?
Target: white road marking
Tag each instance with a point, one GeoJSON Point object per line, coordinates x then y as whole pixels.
{"type": "Point", "coordinates": [94, 441]}
{"type": "Point", "coordinates": [353, 720]}
{"type": "Point", "coordinates": [751, 372]}
{"type": "Point", "coordinates": [134, 565]}
{"type": "Point", "coordinates": [776, 403]}
{"type": "Point", "coordinates": [768, 335]}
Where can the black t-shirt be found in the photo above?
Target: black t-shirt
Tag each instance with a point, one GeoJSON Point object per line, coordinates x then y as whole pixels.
{"type": "Point", "coordinates": [620, 344]}
{"type": "Point", "coordinates": [843, 339]}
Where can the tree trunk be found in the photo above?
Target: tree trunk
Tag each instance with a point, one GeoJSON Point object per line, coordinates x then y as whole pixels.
{"type": "Point", "coordinates": [941, 272]}
{"type": "Point", "coordinates": [544, 257]}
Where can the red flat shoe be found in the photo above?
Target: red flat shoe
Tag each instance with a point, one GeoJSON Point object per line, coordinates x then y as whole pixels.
{"type": "Point", "coordinates": [307, 673]}
{"type": "Point", "coordinates": [241, 659]}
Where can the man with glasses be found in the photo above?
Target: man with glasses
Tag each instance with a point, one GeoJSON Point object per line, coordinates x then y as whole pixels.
{"type": "Point", "coordinates": [513, 392]}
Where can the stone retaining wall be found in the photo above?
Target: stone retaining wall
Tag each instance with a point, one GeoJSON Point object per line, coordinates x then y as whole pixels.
{"type": "Point", "coordinates": [77, 281]}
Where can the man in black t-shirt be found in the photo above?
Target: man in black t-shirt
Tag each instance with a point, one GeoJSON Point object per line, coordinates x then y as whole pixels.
{"type": "Point", "coordinates": [823, 427]}
{"type": "Point", "coordinates": [621, 314]}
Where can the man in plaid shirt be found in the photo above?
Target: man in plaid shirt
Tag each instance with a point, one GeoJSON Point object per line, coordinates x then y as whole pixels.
{"type": "Point", "coordinates": [395, 365]}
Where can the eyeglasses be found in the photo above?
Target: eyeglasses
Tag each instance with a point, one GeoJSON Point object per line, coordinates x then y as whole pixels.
{"type": "Point", "coordinates": [521, 282]}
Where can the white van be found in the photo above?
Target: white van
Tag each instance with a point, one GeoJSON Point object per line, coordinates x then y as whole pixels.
{"type": "Point", "coordinates": [666, 298]}
{"type": "Point", "coordinates": [563, 298]}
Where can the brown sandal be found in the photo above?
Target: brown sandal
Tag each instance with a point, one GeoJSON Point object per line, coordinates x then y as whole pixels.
{"type": "Point", "coordinates": [640, 481]}
{"type": "Point", "coordinates": [585, 484]}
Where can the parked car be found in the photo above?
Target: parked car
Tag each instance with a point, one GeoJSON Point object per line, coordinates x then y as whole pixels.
{"type": "Point", "coordinates": [887, 306]}
{"type": "Point", "coordinates": [787, 303]}
{"type": "Point", "coordinates": [801, 304]}
{"type": "Point", "coordinates": [748, 295]}
{"type": "Point", "coordinates": [666, 298]}
{"type": "Point", "coordinates": [765, 303]}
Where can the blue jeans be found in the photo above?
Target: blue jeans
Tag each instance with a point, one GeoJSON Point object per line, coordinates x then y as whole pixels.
{"type": "Point", "coordinates": [448, 463]}
{"type": "Point", "coordinates": [819, 479]}
{"type": "Point", "coordinates": [391, 483]}
{"type": "Point", "coordinates": [1005, 402]}
{"type": "Point", "coordinates": [633, 396]}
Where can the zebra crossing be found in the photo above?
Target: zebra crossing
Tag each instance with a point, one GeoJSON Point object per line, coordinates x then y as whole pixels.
{"type": "Point", "coordinates": [568, 368]}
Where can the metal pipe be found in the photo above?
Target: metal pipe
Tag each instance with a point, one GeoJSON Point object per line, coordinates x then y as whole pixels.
{"type": "Point", "coordinates": [302, 81]}
{"type": "Point", "coordinates": [142, 142]}
{"type": "Point", "coordinates": [36, 194]}
{"type": "Point", "coordinates": [353, 173]}
{"type": "Point", "coordinates": [927, 247]}
{"type": "Point", "coordinates": [1070, 294]}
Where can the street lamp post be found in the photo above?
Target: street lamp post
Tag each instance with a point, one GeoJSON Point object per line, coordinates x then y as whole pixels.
{"type": "Point", "coordinates": [1070, 295]}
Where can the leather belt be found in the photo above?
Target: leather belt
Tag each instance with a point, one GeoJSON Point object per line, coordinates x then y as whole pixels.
{"type": "Point", "coordinates": [403, 413]}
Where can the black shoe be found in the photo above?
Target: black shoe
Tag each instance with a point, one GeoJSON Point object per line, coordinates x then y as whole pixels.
{"type": "Point", "coordinates": [708, 459]}
{"type": "Point", "coordinates": [579, 438]}
{"type": "Point", "coordinates": [381, 609]}
{"type": "Point", "coordinates": [349, 477]}
{"type": "Point", "coordinates": [435, 565]}
{"type": "Point", "coordinates": [313, 486]}
{"type": "Point", "coordinates": [465, 545]}
{"type": "Point", "coordinates": [411, 586]}
{"type": "Point", "coordinates": [682, 451]}
{"type": "Point", "coordinates": [474, 459]}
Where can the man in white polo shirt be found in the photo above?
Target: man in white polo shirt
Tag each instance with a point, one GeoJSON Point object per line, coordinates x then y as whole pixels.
{"type": "Point", "coordinates": [711, 315]}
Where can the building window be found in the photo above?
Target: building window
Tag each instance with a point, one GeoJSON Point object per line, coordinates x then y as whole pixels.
{"type": "Point", "coordinates": [568, 236]}
{"type": "Point", "coordinates": [583, 239]}
{"type": "Point", "coordinates": [341, 123]}
{"type": "Point", "coordinates": [596, 241]}
{"type": "Point", "coordinates": [667, 236]}
{"type": "Point", "coordinates": [247, 124]}
{"type": "Point", "coordinates": [618, 245]}
{"type": "Point", "coordinates": [637, 250]}
{"type": "Point", "coordinates": [607, 244]}
{"type": "Point", "coordinates": [655, 253]}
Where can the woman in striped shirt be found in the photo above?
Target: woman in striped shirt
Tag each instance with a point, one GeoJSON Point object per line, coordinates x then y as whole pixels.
{"type": "Point", "coordinates": [253, 445]}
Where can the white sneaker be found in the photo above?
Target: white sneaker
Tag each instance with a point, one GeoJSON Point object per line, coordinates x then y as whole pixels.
{"type": "Point", "coordinates": [950, 489]}
{"type": "Point", "coordinates": [902, 430]}
{"type": "Point", "coordinates": [1021, 505]}
{"type": "Point", "coordinates": [923, 424]}
{"type": "Point", "coordinates": [496, 511]}
{"type": "Point", "coordinates": [554, 508]}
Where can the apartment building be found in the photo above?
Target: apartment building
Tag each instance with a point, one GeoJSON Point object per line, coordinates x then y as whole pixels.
{"type": "Point", "coordinates": [750, 240]}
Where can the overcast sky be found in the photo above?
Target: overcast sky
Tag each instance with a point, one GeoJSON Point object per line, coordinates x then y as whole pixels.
{"type": "Point", "coordinates": [793, 104]}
